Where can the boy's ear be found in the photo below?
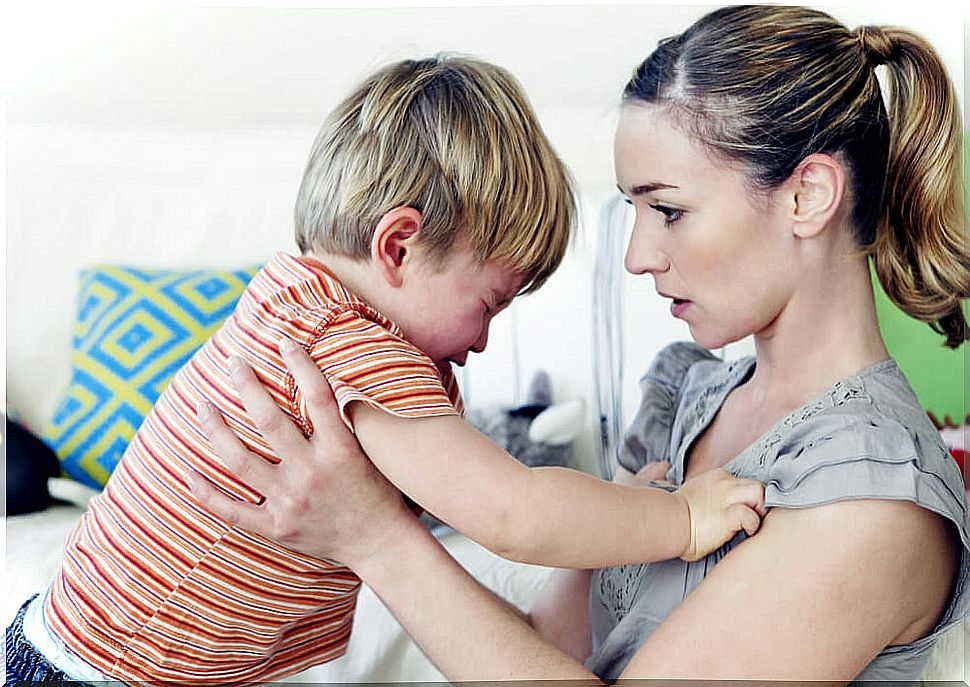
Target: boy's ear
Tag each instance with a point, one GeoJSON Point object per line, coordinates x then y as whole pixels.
{"type": "Point", "coordinates": [817, 186]}
{"type": "Point", "coordinates": [395, 237]}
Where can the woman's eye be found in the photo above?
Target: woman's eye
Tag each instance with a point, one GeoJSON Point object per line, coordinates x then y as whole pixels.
{"type": "Point", "coordinates": [670, 214]}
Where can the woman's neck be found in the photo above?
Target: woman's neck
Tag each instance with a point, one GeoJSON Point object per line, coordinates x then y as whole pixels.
{"type": "Point", "coordinates": [827, 331]}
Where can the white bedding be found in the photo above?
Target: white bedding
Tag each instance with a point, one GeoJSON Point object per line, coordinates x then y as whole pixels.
{"type": "Point", "coordinates": [380, 650]}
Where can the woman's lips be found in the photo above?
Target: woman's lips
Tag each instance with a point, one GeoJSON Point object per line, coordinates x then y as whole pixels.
{"type": "Point", "coordinates": [679, 306]}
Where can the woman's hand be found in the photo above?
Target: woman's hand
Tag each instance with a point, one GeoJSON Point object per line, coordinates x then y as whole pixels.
{"type": "Point", "coordinates": [650, 475]}
{"type": "Point", "coordinates": [324, 498]}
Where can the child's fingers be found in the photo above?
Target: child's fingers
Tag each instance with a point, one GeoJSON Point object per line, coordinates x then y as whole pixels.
{"type": "Point", "coordinates": [321, 403]}
{"type": "Point", "coordinates": [233, 511]}
{"type": "Point", "coordinates": [751, 493]}
{"type": "Point", "coordinates": [250, 468]}
{"type": "Point", "coordinates": [277, 428]}
{"type": "Point", "coordinates": [744, 517]}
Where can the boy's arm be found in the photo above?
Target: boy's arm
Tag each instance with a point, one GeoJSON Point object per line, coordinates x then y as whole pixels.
{"type": "Point", "coordinates": [551, 516]}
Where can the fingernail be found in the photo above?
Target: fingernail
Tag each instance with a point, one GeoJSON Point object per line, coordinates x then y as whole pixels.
{"type": "Point", "coordinates": [235, 364]}
{"type": "Point", "coordinates": [287, 345]}
{"type": "Point", "coordinates": [203, 410]}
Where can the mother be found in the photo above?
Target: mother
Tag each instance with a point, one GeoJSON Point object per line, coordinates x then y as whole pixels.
{"type": "Point", "coordinates": [764, 170]}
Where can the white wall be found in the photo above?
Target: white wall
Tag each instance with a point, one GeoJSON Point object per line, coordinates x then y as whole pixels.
{"type": "Point", "coordinates": [178, 135]}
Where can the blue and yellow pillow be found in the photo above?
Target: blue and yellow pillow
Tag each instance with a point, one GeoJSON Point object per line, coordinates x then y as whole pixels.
{"type": "Point", "coordinates": [134, 329]}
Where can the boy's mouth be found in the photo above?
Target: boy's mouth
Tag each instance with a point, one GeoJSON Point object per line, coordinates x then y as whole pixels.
{"type": "Point", "coordinates": [459, 360]}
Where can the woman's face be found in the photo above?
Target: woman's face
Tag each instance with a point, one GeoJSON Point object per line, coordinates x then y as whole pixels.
{"type": "Point", "coordinates": [715, 248]}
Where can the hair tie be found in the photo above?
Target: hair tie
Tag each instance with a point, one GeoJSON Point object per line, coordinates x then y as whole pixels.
{"type": "Point", "coordinates": [876, 45]}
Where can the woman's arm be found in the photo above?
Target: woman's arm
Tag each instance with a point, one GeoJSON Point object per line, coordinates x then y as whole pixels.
{"type": "Point", "coordinates": [815, 596]}
{"type": "Point", "coordinates": [334, 503]}
{"type": "Point", "coordinates": [547, 515]}
{"type": "Point", "coordinates": [466, 631]}
{"type": "Point", "coordinates": [808, 598]}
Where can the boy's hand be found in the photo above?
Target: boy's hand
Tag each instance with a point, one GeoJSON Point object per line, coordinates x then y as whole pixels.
{"type": "Point", "coordinates": [718, 505]}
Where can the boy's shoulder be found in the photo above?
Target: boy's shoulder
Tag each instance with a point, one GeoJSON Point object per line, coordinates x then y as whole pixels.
{"type": "Point", "coordinates": [302, 292]}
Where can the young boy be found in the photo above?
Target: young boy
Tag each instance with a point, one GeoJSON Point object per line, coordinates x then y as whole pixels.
{"type": "Point", "coordinates": [431, 199]}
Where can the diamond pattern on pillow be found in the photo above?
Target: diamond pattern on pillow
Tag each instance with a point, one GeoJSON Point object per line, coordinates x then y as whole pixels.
{"type": "Point", "coordinates": [134, 329]}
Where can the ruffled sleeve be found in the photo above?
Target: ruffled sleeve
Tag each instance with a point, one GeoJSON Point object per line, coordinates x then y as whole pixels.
{"type": "Point", "coordinates": [844, 457]}
{"type": "Point", "coordinates": [648, 437]}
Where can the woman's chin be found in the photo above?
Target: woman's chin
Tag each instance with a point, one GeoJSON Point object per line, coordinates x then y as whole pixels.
{"type": "Point", "coordinates": [713, 340]}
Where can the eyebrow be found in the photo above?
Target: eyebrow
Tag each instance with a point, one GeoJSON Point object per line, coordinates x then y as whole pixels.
{"type": "Point", "coordinates": [641, 189]}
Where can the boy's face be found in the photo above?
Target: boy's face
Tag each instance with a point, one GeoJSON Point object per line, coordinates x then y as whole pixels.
{"type": "Point", "coordinates": [451, 304]}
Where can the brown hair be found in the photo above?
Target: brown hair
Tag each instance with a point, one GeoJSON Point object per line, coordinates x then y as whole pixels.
{"type": "Point", "coordinates": [454, 138]}
{"type": "Point", "coordinates": [766, 86]}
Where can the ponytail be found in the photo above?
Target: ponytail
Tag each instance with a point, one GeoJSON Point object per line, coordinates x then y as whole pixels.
{"type": "Point", "coordinates": [920, 249]}
{"type": "Point", "coordinates": [768, 85]}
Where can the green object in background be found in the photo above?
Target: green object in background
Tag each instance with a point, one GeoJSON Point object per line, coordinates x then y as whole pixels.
{"type": "Point", "coordinates": [938, 374]}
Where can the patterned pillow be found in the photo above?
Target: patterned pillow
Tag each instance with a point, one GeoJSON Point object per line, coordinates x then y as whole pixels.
{"type": "Point", "coordinates": [134, 329]}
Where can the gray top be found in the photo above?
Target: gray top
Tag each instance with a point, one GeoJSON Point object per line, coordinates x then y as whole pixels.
{"type": "Point", "coordinates": [865, 437]}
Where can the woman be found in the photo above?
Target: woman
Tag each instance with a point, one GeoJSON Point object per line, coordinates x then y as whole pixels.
{"type": "Point", "coordinates": [764, 170]}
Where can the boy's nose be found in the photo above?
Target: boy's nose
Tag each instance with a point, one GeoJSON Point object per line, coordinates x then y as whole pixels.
{"type": "Point", "coordinates": [643, 255]}
{"type": "Point", "coordinates": [482, 340]}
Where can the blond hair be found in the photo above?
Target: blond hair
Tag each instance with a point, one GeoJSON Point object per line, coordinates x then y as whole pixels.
{"type": "Point", "coordinates": [766, 86]}
{"type": "Point", "coordinates": [456, 139]}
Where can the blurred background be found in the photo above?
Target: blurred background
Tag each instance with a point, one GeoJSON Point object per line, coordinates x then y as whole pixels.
{"type": "Point", "coordinates": [175, 136]}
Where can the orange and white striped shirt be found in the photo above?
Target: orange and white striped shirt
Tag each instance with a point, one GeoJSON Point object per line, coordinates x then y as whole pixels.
{"type": "Point", "coordinates": [155, 589]}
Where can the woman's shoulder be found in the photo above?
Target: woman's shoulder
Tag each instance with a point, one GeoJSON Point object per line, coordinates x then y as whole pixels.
{"type": "Point", "coordinates": [871, 415]}
{"type": "Point", "coordinates": [866, 437]}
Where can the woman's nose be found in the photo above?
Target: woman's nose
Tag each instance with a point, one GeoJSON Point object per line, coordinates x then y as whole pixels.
{"type": "Point", "coordinates": [643, 255]}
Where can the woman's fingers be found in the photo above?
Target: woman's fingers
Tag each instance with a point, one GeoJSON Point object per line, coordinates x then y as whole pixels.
{"type": "Point", "coordinates": [647, 476]}
{"type": "Point", "coordinates": [239, 513]}
{"type": "Point", "coordinates": [276, 427]}
{"type": "Point", "coordinates": [250, 468]}
{"type": "Point", "coordinates": [320, 401]}
{"type": "Point", "coordinates": [654, 472]}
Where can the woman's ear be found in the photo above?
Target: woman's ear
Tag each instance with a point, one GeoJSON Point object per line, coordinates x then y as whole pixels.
{"type": "Point", "coordinates": [817, 185]}
{"type": "Point", "coordinates": [393, 243]}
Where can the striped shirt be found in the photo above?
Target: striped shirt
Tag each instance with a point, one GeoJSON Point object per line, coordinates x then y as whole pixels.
{"type": "Point", "coordinates": [155, 589]}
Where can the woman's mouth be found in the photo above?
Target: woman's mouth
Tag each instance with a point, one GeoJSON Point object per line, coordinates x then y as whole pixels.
{"type": "Point", "coordinates": [679, 306]}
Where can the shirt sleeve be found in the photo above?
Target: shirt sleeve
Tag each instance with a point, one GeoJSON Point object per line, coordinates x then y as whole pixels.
{"type": "Point", "coordinates": [851, 457]}
{"type": "Point", "coordinates": [647, 439]}
{"type": "Point", "coordinates": [365, 361]}
{"type": "Point", "coordinates": [842, 458]}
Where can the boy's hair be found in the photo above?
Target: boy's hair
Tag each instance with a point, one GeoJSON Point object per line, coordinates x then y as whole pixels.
{"type": "Point", "coordinates": [456, 139]}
